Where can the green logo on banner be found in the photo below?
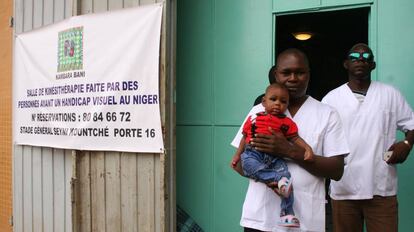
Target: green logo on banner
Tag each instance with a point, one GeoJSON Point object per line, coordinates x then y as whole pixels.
{"type": "Point", "coordinates": [70, 49]}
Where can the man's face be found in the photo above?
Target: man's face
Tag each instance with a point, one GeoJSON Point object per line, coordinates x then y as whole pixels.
{"type": "Point", "coordinates": [359, 63]}
{"type": "Point", "coordinates": [293, 72]}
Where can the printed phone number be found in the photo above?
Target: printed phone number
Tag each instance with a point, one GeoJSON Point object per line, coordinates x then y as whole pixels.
{"type": "Point", "coordinates": [108, 117]}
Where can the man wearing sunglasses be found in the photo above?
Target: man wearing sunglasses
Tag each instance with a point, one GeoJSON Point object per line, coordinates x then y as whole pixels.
{"type": "Point", "coordinates": [371, 113]}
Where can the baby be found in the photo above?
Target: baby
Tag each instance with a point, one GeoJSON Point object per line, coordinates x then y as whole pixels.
{"type": "Point", "coordinates": [267, 168]}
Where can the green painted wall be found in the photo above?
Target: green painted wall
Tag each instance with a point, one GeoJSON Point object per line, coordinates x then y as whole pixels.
{"type": "Point", "coordinates": [224, 50]}
{"type": "Point", "coordinates": [396, 67]}
{"type": "Point", "coordinates": [224, 53]}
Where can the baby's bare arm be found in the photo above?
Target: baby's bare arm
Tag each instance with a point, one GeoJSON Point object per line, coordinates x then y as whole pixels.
{"type": "Point", "coordinates": [235, 161]}
{"type": "Point", "coordinates": [308, 150]}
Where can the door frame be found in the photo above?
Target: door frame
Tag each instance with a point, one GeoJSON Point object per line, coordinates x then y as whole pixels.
{"type": "Point", "coordinates": [290, 9]}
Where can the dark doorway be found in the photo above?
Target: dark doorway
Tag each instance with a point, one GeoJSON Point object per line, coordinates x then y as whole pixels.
{"type": "Point", "coordinates": [334, 32]}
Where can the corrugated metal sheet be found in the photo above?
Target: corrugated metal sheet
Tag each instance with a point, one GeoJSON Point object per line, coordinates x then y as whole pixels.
{"type": "Point", "coordinates": [118, 192]}
{"type": "Point", "coordinates": [41, 189]}
{"type": "Point", "coordinates": [41, 176]}
{"type": "Point", "coordinates": [31, 14]}
{"type": "Point", "coordinates": [127, 191]}
{"type": "Point", "coordinates": [111, 191]}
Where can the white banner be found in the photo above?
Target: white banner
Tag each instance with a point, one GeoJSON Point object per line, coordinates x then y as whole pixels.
{"type": "Point", "coordinates": [90, 83]}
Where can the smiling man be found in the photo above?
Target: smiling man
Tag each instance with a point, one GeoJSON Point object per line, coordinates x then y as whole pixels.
{"type": "Point", "coordinates": [320, 126]}
{"type": "Point", "coordinates": [371, 113]}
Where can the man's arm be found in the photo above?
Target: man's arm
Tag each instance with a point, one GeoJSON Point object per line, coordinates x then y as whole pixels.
{"type": "Point", "coordinates": [402, 149]}
{"type": "Point", "coordinates": [277, 145]}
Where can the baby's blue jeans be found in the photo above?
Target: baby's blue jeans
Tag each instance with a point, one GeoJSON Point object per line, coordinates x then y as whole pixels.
{"type": "Point", "coordinates": [266, 168]}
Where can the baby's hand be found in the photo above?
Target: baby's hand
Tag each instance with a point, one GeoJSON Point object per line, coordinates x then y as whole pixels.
{"type": "Point", "coordinates": [308, 155]}
{"type": "Point", "coordinates": [234, 161]}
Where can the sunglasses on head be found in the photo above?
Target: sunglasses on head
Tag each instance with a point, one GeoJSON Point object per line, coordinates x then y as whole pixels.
{"type": "Point", "coordinates": [365, 56]}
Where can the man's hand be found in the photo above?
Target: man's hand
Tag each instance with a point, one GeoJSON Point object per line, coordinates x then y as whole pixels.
{"type": "Point", "coordinates": [400, 153]}
{"type": "Point", "coordinates": [275, 143]}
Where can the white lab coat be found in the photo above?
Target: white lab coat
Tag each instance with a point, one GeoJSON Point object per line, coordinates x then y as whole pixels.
{"type": "Point", "coordinates": [370, 128]}
{"type": "Point", "coordinates": [319, 125]}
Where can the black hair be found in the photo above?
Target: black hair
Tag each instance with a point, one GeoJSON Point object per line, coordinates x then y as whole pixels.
{"type": "Point", "coordinates": [276, 85]}
{"type": "Point", "coordinates": [294, 51]}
